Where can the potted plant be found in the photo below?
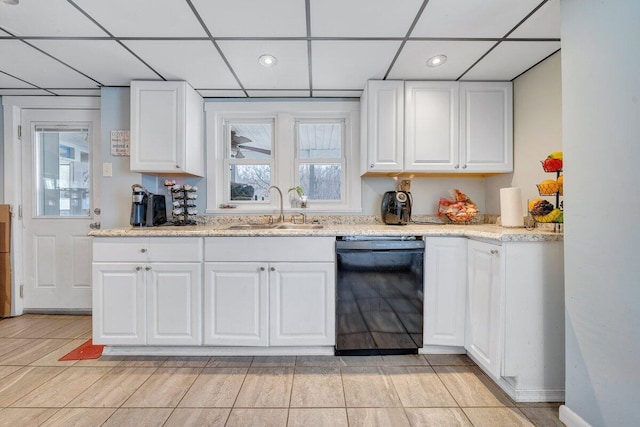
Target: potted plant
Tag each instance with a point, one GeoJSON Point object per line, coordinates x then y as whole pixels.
{"type": "Point", "coordinates": [299, 199]}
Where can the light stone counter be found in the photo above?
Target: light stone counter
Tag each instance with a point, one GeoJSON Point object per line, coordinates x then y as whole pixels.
{"type": "Point", "coordinates": [479, 231]}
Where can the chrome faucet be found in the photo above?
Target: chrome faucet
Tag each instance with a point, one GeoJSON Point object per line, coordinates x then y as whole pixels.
{"type": "Point", "coordinates": [281, 217]}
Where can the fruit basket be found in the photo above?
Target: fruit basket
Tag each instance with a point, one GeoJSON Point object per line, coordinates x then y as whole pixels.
{"type": "Point", "coordinates": [542, 211]}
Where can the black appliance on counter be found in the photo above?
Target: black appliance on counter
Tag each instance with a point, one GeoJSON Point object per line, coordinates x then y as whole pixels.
{"type": "Point", "coordinates": [147, 209]}
{"type": "Point", "coordinates": [396, 207]}
{"type": "Point", "coordinates": [380, 294]}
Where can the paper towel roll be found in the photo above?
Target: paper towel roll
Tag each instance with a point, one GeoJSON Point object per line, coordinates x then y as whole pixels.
{"type": "Point", "coordinates": [511, 207]}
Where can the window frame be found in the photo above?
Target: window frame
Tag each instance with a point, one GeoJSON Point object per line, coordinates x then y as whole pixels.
{"type": "Point", "coordinates": [285, 168]}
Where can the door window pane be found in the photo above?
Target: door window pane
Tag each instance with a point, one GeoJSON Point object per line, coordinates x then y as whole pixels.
{"type": "Point", "coordinates": [62, 172]}
{"type": "Point", "coordinates": [321, 181]}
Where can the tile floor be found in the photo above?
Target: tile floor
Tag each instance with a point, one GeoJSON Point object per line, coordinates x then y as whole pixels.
{"type": "Point", "coordinates": [435, 390]}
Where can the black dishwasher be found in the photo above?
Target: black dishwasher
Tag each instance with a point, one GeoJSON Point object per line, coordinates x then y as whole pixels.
{"type": "Point", "coordinates": [380, 294]}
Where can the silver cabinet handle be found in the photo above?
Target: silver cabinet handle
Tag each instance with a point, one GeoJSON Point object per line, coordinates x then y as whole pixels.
{"type": "Point", "coordinates": [177, 166]}
{"type": "Point", "coordinates": [261, 268]}
{"type": "Point", "coordinates": [464, 166]}
{"type": "Point", "coordinates": [143, 250]}
{"type": "Point", "coordinates": [272, 269]}
{"type": "Point", "coordinates": [456, 167]}
{"type": "Point", "coordinates": [371, 166]}
{"type": "Point", "coordinates": [494, 251]}
{"type": "Point", "coordinates": [138, 268]}
{"type": "Point", "coordinates": [94, 226]}
{"type": "Point", "coordinates": [147, 268]}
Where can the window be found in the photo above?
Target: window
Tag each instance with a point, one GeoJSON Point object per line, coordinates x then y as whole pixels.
{"type": "Point", "coordinates": [319, 159]}
{"type": "Point", "coordinates": [254, 145]}
{"type": "Point", "coordinates": [249, 160]}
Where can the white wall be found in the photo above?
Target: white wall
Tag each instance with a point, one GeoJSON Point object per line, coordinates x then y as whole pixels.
{"type": "Point", "coordinates": [537, 131]}
{"type": "Point", "coordinates": [601, 138]}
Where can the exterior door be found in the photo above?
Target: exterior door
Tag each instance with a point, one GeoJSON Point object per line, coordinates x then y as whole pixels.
{"type": "Point", "coordinates": [59, 201]}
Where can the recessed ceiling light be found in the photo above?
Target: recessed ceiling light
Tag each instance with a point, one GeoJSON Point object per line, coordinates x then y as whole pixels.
{"type": "Point", "coordinates": [268, 60]}
{"type": "Point", "coordinates": [12, 2]}
{"type": "Point", "coordinates": [436, 61]}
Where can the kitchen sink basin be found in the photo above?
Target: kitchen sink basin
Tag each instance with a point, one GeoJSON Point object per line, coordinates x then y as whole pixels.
{"type": "Point", "coordinates": [250, 226]}
{"type": "Point", "coordinates": [276, 226]}
{"type": "Point", "coordinates": [298, 226]}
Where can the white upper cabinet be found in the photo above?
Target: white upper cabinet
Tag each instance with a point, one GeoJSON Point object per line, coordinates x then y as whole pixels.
{"type": "Point", "coordinates": [486, 127]}
{"type": "Point", "coordinates": [442, 127]}
{"type": "Point", "coordinates": [167, 130]}
{"type": "Point", "coordinates": [431, 126]}
{"type": "Point", "coordinates": [382, 132]}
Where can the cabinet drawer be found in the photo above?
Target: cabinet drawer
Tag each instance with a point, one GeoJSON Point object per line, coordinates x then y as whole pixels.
{"type": "Point", "coordinates": [124, 249]}
{"type": "Point", "coordinates": [269, 249]}
{"type": "Point", "coordinates": [143, 249]}
{"type": "Point", "coordinates": [175, 249]}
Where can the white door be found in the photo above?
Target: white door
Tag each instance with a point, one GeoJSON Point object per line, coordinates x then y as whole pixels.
{"type": "Point", "coordinates": [59, 198]}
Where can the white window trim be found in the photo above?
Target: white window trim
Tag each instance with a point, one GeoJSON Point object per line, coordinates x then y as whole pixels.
{"type": "Point", "coordinates": [283, 175]}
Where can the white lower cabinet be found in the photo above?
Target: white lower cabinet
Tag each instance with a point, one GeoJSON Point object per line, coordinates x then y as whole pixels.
{"type": "Point", "coordinates": [269, 304]}
{"type": "Point", "coordinates": [152, 300]}
{"type": "Point", "coordinates": [236, 304]}
{"type": "Point", "coordinates": [484, 306]}
{"type": "Point", "coordinates": [445, 291]}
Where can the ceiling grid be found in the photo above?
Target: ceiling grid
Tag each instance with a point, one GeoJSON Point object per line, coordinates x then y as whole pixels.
{"type": "Point", "coordinates": [324, 48]}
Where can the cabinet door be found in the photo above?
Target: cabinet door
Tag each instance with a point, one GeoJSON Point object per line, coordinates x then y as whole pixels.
{"type": "Point", "coordinates": [486, 127]}
{"type": "Point", "coordinates": [483, 332]}
{"type": "Point", "coordinates": [384, 136]}
{"type": "Point", "coordinates": [431, 126]}
{"type": "Point", "coordinates": [445, 291]}
{"type": "Point", "coordinates": [157, 126]}
{"type": "Point", "coordinates": [119, 303]}
{"type": "Point", "coordinates": [302, 304]}
{"type": "Point", "coordinates": [174, 298]}
{"type": "Point", "coordinates": [236, 302]}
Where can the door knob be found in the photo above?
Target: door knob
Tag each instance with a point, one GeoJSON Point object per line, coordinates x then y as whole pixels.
{"type": "Point", "coordinates": [97, 211]}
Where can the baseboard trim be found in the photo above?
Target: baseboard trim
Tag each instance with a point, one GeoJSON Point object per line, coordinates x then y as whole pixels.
{"type": "Point", "coordinates": [571, 419]}
{"type": "Point", "coordinates": [216, 351]}
{"type": "Point", "coordinates": [441, 349]}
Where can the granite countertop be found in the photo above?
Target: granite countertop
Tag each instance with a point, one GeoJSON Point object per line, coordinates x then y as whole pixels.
{"type": "Point", "coordinates": [481, 231]}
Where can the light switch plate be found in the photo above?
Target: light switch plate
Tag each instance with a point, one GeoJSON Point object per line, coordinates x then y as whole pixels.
{"type": "Point", "coordinates": [107, 169]}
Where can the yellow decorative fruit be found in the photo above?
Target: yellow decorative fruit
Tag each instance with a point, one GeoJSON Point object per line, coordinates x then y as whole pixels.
{"type": "Point", "coordinates": [548, 186]}
{"type": "Point", "coordinates": [560, 180]}
{"type": "Point", "coordinates": [550, 217]}
{"type": "Point", "coordinates": [533, 202]}
{"type": "Point", "coordinates": [555, 155]}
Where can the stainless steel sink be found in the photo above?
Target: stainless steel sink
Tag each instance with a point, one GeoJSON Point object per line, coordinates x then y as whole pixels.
{"type": "Point", "coordinates": [276, 226]}
{"type": "Point", "coordinates": [298, 226]}
{"type": "Point", "coordinates": [251, 226]}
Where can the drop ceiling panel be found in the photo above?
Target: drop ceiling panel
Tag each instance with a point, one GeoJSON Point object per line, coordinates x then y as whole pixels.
{"type": "Point", "coordinates": [411, 64]}
{"type": "Point", "coordinates": [11, 82]}
{"type": "Point", "coordinates": [197, 62]}
{"type": "Point", "coordinates": [212, 93]}
{"type": "Point", "coordinates": [278, 93]}
{"type": "Point", "coordinates": [362, 18]}
{"type": "Point", "coordinates": [46, 18]}
{"type": "Point", "coordinates": [291, 72]}
{"type": "Point", "coordinates": [21, 60]}
{"type": "Point", "coordinates": [545, 23]}
{"type": "Point", "coordinates": [231, 18]}
{"type": "Point", "coordinates": [509, 59]}
{"type": "Point", "coordinates": [142, 18]}
{"type": "Point", "coordinates": [349, 64]}
{"type": "Point", "coordinates": [103, 60]}
{"type": "Point", "coordinates": [472, 18]}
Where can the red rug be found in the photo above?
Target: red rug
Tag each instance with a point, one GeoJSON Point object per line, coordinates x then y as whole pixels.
{"type": "Point", "coordinates": [85, 351]}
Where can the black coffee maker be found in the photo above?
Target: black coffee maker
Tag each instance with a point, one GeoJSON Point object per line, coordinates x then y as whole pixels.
{"type": "Point", "coordinates": [139, 200]}
{"type": "Point", "coordinates": [396, 207]}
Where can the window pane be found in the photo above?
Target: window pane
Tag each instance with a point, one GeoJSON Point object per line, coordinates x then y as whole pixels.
{"type": "Point", "coordinates": [250, 182]}
{"type": "Point", "coordinates": [63, 173]}
{"type": "Point", "coordinates": [319, 140]}
{"type": "Point", "coordinates": [250, 140]}
{"type": "Point", "coordinates": [321, 182]}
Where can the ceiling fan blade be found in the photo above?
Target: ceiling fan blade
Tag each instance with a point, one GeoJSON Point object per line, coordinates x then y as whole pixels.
{"type": "Point", "coordinates": [256, 149]}
{"type": "Point", "coordinates": [239, 139]}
